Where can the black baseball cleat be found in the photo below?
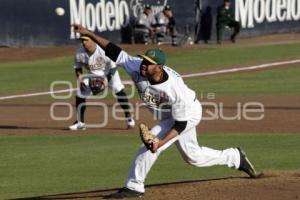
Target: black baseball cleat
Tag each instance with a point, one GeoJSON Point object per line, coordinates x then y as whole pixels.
{"type": "Point", "coordinates": [125, 193]}
{"type": "Point", "coordinates": [245, 164]}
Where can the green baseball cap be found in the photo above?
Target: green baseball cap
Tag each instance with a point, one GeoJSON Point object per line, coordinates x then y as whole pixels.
{"type": "Point", "coordinates": [155, 56]}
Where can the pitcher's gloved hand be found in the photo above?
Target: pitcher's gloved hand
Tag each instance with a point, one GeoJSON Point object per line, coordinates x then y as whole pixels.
{"type": "Point", "coordinates": [149, 140]}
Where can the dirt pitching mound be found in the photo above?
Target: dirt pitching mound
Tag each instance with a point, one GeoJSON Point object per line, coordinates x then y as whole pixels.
{"type": "Point", "coordinates": [271, 185]}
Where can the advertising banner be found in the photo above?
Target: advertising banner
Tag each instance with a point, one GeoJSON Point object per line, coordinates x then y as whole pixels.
{"type": "Point", "coordinates": [41, 23]}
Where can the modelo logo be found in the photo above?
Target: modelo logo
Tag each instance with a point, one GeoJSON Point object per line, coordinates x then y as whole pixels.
{"type": "Point", "coordinates": [249, 12]}
{"type": "Point", "coordinates": [102, 16]}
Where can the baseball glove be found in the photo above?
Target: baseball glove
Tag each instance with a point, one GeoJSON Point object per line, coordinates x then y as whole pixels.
{"type": "Point", "coordinates": [147, 137]}
{"type": "Point", "coordinates": [97, 84]}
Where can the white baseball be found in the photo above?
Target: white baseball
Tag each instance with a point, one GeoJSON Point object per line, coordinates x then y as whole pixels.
{"type": "Point", "coordinates": [60, 11]}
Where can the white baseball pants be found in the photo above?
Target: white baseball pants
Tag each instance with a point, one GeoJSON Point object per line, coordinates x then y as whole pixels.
{"type": "Point", "coordinates": [187, 145]}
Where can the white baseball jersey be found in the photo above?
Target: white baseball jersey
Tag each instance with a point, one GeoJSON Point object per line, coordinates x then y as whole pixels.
{"type": "Point", "coordinates": [170, 99]}
{"type": "Point", "coordinates": [183, 106]}
{"type": "Point", "coordinates": [97, 63]}
{"type": "Point", "coordinates": [146, 20]}
{"type": "Point", "coordinates": [162, 21]}
{"type": "Point", "coordinates": [100, 65]}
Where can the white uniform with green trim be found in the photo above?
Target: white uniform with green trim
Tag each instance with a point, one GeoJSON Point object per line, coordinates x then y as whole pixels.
{"type": "Point", "coordinates": [97, 64]}
{"type": "Point", "coordinates": [171, 100]}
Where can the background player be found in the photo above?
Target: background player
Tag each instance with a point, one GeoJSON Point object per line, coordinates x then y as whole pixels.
{"type": "Point", "coordinates": [179, 111]}
{"type": "Point", "coordinates": [91, 57]}
{"type": "Point", "coordinates": [225, 17]}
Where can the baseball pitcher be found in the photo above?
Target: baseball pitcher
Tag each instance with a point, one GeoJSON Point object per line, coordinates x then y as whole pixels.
{"type": "Point", "coordinates": [179, 111]}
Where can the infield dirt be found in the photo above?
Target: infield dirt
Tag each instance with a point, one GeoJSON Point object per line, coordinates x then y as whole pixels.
{"type": "Point", "coordinates": [271, 186]}
{"type": "Point", "coordinates": [281, 115]}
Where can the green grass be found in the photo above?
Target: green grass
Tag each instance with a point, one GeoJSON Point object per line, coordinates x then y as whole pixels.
{"type": "Point", "coordinates": [204, 59]}
{"type": "Point", "coordinates": [35, 75]}
{"type": "Point", "coordinates": [278, 81]}
{"type": "Point", "coordinates": [41, 165]}
{"type": "Point", "coordinates": [38, 75]}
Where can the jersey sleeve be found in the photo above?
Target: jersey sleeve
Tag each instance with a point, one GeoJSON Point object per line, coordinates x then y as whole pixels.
{"type": "Point", "coordinates": [79, 59]}
{"type": "Point", "coordinates": [129, 63]}
{"type": "Point", "coordinates": [77, 63]}
{"type": "Point", "coordinates": [122, 58]}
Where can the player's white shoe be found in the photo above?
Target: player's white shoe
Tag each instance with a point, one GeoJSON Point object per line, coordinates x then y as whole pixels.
{"type": "Point", "coordinates": [130, 123]}
{"type": "Point", "coordinates": [77, 126]}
